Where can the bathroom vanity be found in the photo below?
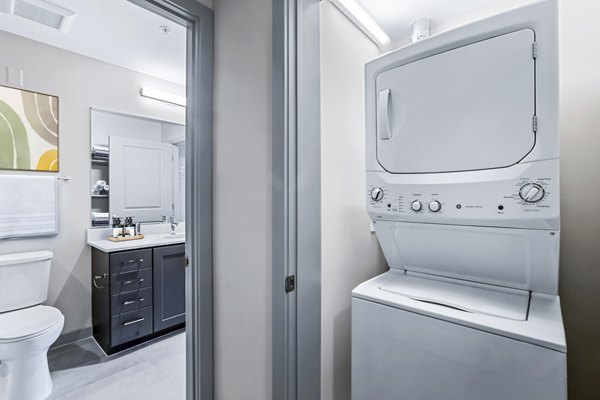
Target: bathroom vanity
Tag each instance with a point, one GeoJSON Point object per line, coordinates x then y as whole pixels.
{"type": "Point", "coordinates": [138, 289]}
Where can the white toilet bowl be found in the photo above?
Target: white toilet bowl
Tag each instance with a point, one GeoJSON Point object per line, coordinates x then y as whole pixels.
{"type": "Point", "coordinates": [25, 336]}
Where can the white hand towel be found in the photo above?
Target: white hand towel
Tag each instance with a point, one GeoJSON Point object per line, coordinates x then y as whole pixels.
{"type": "Point", "coordinates": [28, 206]}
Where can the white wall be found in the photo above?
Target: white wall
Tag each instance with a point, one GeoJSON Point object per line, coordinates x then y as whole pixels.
{"type": "Point", "coordinates": [580, 214]}
{"type": "Point", "coordinates": [172, 133]}
{"type": "Point", "coordinates": [207, 3]}
{"type": "Point", "coordinates": [579, 289]}
{"type": "Point", "coordinates": [242, 199]}
{"type": "Point", "coordinates": [105, 124]}
{"type": "Point", "coordinates": [350, 253]}
{"type": "Point", "coordinates": [80, 83]}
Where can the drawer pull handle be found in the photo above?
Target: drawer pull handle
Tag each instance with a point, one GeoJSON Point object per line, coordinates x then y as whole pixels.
{"type": "Point", "coordinates": [130, 302]}
{"type": "Point", "coordinates": [133, 281]}
{"type": "Point", "coordinates": [141, 260]}
{"type": "Point", "coordinates": [135, 321]}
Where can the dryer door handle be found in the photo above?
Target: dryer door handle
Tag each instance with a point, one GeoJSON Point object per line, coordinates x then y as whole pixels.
{"type": "Point", "coordinates": [383, 115]}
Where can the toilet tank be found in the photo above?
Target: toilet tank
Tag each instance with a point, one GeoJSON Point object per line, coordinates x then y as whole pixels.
{"type": "Point", "coordinates": [24, 279]}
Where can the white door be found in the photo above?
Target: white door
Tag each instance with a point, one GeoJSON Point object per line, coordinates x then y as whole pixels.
{"type": "Point", "coordinates": [465, 109]}
{"type": "Point", "coordinates": [141, 178]}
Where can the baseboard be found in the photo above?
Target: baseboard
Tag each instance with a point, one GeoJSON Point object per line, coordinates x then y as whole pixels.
{"type": "Point", "coordinates": [72, 336]}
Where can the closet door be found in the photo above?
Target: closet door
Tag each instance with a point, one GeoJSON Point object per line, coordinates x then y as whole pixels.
{"type": "Point", "coordinates": [141, 178]}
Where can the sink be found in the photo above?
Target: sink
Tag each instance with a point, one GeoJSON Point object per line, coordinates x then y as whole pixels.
{"type": "Point", "coordinates": [178, 235]}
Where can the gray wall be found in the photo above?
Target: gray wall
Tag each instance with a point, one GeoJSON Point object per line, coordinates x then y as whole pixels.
{"type": "Point", "coordinates": [580, 169]}
{"type": "Point", "coordinates": [350, 253]}
{"type": "Point", "coordinates": [80, 82]}
{"type": "Point", "coordinates": [580, 212]}
{"type": "Point", "coordinates": [242, 199]}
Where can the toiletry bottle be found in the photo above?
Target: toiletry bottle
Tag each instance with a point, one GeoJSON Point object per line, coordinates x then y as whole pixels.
{"type": "Point", "coordinates": [132, 227]}
{"type": "Point", "coordinates": [126, 226]}
{"type": "Point", "coordinates": [129, 226]}
{"type": "Point", "coordinates": [115, 227]}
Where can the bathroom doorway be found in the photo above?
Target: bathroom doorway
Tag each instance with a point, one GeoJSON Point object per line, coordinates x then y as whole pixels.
{"type": "Point", "coordinates": [97, 82]}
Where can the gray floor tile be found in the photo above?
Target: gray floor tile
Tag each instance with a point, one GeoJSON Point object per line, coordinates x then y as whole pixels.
{"type": "Point", "coordinates": [81, 371]}
{"type": "Point", "coordinates": [142, 381]}
{"type": "Point", "coordinates": [75, 355]}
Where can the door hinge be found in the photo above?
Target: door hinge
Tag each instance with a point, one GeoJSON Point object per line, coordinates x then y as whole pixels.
{"type": "Point", "coordinates": [534, 50]}
{"type": "Point", "coordinates": [187, 261]}
{"type": "Point", "coordinates": [535, 123]}
{"type": "Point", "coordinates": [290, 284]}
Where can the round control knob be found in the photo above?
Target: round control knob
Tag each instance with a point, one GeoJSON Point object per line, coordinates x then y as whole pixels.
{"type": "Point", "coordinates": [416, 205]}
{"type": "Point", "coordinates": [377, 194]}
{"type": "Point", "coordinates": [435, 206]}
{"type": "Point", "coordinates": [532, 192]}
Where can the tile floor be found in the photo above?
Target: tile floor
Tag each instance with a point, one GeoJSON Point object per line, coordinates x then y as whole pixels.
{"type": "Point", "coordinates": [81, 371]}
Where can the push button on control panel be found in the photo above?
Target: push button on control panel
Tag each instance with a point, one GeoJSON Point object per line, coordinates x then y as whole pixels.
{"type": "Point", "coordinates": [435, 206]}
{"type": "Point", "coordinates": [416, 206]}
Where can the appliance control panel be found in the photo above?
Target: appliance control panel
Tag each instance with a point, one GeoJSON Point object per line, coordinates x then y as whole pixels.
{"type": "Point", "coordinates": [522, 196]}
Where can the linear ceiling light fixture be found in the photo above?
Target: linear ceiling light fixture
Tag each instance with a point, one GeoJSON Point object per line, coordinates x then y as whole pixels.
{"type": "Point", "coordinates": [361, 18]}
{"type": "Point", "coordinates": [163, 96]}
{"type": "Point", "coordinates": [40, 11]}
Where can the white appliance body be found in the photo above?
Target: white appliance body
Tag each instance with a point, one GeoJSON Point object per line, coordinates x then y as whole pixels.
{"type": "Point", "coordinates": [463, 190]}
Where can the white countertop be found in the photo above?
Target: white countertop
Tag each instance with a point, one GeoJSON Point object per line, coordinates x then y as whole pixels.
{"type": "Point", "coordinates": [154, 235]}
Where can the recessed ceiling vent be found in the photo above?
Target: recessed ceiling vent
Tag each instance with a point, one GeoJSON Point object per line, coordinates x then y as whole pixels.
{"type": "Point", "coordinates": [40, 11]}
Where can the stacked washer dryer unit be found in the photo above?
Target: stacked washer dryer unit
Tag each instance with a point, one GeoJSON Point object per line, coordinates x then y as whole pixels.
{"type": "Point", "coordinates": [463, 191]}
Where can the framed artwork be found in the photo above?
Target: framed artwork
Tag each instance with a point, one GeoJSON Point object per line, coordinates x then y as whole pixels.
{"type": "Point", "coordinates": [28, 130]}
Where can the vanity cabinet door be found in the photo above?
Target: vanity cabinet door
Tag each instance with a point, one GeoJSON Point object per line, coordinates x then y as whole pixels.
{"type": "Point", "coordinates": [169, 286]}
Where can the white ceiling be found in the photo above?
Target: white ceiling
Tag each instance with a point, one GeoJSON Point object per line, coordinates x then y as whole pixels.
{"type": "Point", "coordinates": [396, 16]}
{"type": "Point", "coordinates": [114, 31]}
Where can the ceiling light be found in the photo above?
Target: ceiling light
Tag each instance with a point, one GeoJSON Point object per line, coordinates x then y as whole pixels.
{"type": "Point", "coordinates": [163, 96]}
{"type": "Point", "coordinates": [40, 11]}
{"type": "Point", "coordinates": [361, 18]}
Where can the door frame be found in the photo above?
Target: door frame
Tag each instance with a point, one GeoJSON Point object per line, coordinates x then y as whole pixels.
{"type": "Point", "coordinates": [296, 200]}
{"type": "Point", "coordinates": [198, 189]}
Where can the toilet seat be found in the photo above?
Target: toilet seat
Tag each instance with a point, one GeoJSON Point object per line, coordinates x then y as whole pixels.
{"type": "Point", "coordinates": [27, 323]}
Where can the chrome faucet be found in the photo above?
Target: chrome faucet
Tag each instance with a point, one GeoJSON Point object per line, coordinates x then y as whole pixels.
{"type": "Point", "coordinates": [174, 224]}
{"type": "Point", "coordinates": [138, 226]}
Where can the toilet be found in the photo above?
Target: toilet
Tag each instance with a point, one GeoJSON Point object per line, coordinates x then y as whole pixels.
{"type": "Point", "coordinates": [27, 328]}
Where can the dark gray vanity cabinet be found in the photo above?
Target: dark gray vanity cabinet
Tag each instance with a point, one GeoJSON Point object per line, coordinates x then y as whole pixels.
{"type": "Point", "coordinates": [169, 286]}
{"type": "Point", "coordinates": [137, 295]}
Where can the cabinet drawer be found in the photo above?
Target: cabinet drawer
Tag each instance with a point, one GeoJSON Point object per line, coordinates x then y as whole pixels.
{"type": "Point", "coordinates": [127, 261]}
{"type": "Point", "coordinates": [131, 325]}
{"type": "Point", "coordinates": [130, 301]}
{"type": "Point", "coordinates": [130, 281]}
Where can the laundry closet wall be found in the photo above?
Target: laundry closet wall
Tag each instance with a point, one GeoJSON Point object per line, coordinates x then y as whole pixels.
{"type": "Point", "coordinates": [350, 253]}
{"type": "Point", "coordinates": [242, 199]}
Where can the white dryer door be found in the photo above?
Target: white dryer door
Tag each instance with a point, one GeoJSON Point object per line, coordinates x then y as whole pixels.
{"type": "Point", "coordinates": [466, 109]}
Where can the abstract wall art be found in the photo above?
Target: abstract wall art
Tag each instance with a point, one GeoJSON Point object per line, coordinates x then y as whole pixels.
{"type": "Point", "coordinates": [28, 130]}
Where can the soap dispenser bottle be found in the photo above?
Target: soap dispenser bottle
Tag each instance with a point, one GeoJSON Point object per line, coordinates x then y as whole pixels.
{"type": "Point", "coordinates": [116, 226]}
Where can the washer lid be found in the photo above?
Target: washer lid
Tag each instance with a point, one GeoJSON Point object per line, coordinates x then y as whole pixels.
{"type": "Point", "coordinates": [465, 109]}
{"type": "Point", "coordinates": [27, 322]}
{"type": "Point", "coordinates": [465, 296]}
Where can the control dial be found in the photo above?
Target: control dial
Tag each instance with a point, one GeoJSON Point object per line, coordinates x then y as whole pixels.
{"type": "Point", "coordinates": [532, 192]}
{"type": "Point", "coordinates": [416, 205]}
{"type": "Point", "coordinates": [377, 194]}
{"type": "Point", "coordinates": [435, 206]}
